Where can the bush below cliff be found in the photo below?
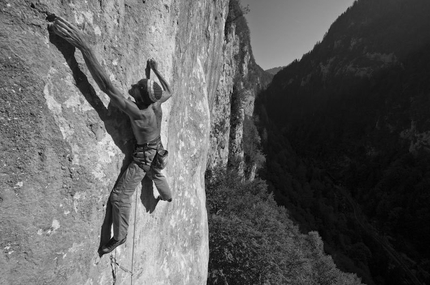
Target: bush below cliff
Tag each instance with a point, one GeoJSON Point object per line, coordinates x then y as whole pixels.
{"type": "Point", "coordinates": [253, 241]}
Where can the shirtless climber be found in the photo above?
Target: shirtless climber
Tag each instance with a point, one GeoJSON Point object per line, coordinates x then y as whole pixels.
{"type": "Point", "coordinates": [145, 117]}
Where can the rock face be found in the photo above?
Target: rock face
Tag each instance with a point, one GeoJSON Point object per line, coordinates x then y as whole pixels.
{"type": "Point", "coordinates": [241, 79]}
{"type": "Point", "coordinates": [63, 144]}
{"type": "Point", "coordinates": [221, 107]}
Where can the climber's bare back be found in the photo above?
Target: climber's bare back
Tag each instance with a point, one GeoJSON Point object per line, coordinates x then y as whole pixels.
{"type": "Point", "coordinates": [145, 128]}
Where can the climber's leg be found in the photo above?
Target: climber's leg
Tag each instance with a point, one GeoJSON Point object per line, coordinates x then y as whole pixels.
{"type": "Point", "coordinates": [106, 233]}
{"type": "Point", "coordinates": [121, 194]}
{"type": "Point", "coordinates": [120, 202]}
{"type": "Point", "coordinates": [121, 199]}
{"type": "Point", "coordinates": [160, 182]}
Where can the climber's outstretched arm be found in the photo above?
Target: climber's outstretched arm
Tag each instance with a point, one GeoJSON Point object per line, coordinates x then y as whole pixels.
{"type": "Point", "coordinates": [75, 37]}
{"type": "Point", "coordinates": [167, 92]}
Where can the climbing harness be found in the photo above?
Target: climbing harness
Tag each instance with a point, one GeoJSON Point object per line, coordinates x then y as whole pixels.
{"type": "Point", "coordinates": [158, 161]}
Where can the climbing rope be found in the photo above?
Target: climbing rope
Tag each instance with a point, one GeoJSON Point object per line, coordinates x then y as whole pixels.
{"type": "Point", "coordinates": [113, 268]}
{"type": "Point", "coordinates": [134, 234]}
{"type": "Point", "coordinates": [114, 262]}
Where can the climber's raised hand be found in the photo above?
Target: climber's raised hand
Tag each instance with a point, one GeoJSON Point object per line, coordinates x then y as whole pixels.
{"type": "Point", "coordinates": [69, 32]}
{"type": "Point", "coordinates": [153, 64]}
{"type": "Point", "coordinates": [148, 70]}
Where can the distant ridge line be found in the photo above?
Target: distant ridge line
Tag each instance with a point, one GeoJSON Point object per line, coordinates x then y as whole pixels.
{"type": "Point", "coordinates": [274, 70]}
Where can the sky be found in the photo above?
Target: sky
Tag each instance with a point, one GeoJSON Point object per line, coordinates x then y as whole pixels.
{"type": "Point", "coordinates": [284, 30]}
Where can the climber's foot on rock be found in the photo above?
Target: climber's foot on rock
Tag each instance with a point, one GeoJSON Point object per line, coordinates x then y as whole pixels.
{"type": "Point", "coordinates": [159, 198]}
{"type": "Point", "coordinates": [111, 245]}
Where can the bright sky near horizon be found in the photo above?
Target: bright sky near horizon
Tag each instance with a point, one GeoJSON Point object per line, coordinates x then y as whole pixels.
{"type": "Point", "coordinates": [284, 30]}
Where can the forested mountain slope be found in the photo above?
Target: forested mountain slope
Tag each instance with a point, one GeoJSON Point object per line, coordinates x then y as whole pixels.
{"type": "Point", "coordinates": [251, 239]}
{"type": "Point", "coordinates": [346, 131]}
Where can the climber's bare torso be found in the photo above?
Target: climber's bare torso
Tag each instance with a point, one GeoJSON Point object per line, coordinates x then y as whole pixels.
{"type": "Point", "coordinates": [146, 127]}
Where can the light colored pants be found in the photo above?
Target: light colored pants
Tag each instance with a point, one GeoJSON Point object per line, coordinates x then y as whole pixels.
{"type": "Point", "coordinates": [120, 198]}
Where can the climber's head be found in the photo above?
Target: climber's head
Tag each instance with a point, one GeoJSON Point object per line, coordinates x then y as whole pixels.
{"type": "Point", "coordinates": [147, 91]}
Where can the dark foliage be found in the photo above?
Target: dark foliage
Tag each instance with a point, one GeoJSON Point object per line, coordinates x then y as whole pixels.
{"type": "Point", "coordinates": [252, 145]}
{"type": "Point", "coordinates": [346, 136]}
{"type": "Point", "coordinates": [253, 241]}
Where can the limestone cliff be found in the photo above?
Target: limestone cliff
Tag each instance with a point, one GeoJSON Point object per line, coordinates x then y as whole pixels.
{"type": "Point", "coordinates": [241, 80]}
{"type": "Point", "coordinates": [62, 144]}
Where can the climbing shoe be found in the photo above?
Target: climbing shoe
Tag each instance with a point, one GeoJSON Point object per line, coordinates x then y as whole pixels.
{"type": "Point", "coordinates": [111, 245]}
{"type": "Point", "coordinates": [161, 198]}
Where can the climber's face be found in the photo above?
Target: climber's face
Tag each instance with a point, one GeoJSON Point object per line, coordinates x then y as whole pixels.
{"type": "Point", "coordinates": [135, 92]}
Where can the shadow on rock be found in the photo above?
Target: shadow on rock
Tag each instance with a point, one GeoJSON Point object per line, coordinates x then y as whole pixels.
{"type": "Point", "coordinates": [115, 122]}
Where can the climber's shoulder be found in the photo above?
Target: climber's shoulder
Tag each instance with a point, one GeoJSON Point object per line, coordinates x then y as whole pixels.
{"type": "Point", "coordinates": [156, 106]}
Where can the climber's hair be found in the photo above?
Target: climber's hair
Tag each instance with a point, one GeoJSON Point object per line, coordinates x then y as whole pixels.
{"type": "Point", "coordinates": [149, 90]}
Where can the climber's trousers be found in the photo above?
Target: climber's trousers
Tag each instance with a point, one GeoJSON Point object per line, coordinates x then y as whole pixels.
{"type": "Point", "coordinates": [120, 197]}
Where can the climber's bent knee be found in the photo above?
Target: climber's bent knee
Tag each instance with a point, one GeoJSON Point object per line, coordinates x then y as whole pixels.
{"type": "Point", "coordinates": [127, 184]}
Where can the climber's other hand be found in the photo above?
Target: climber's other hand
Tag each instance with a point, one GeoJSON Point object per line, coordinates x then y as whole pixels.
{"type": "Point", "coordinates": [69, 32]}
